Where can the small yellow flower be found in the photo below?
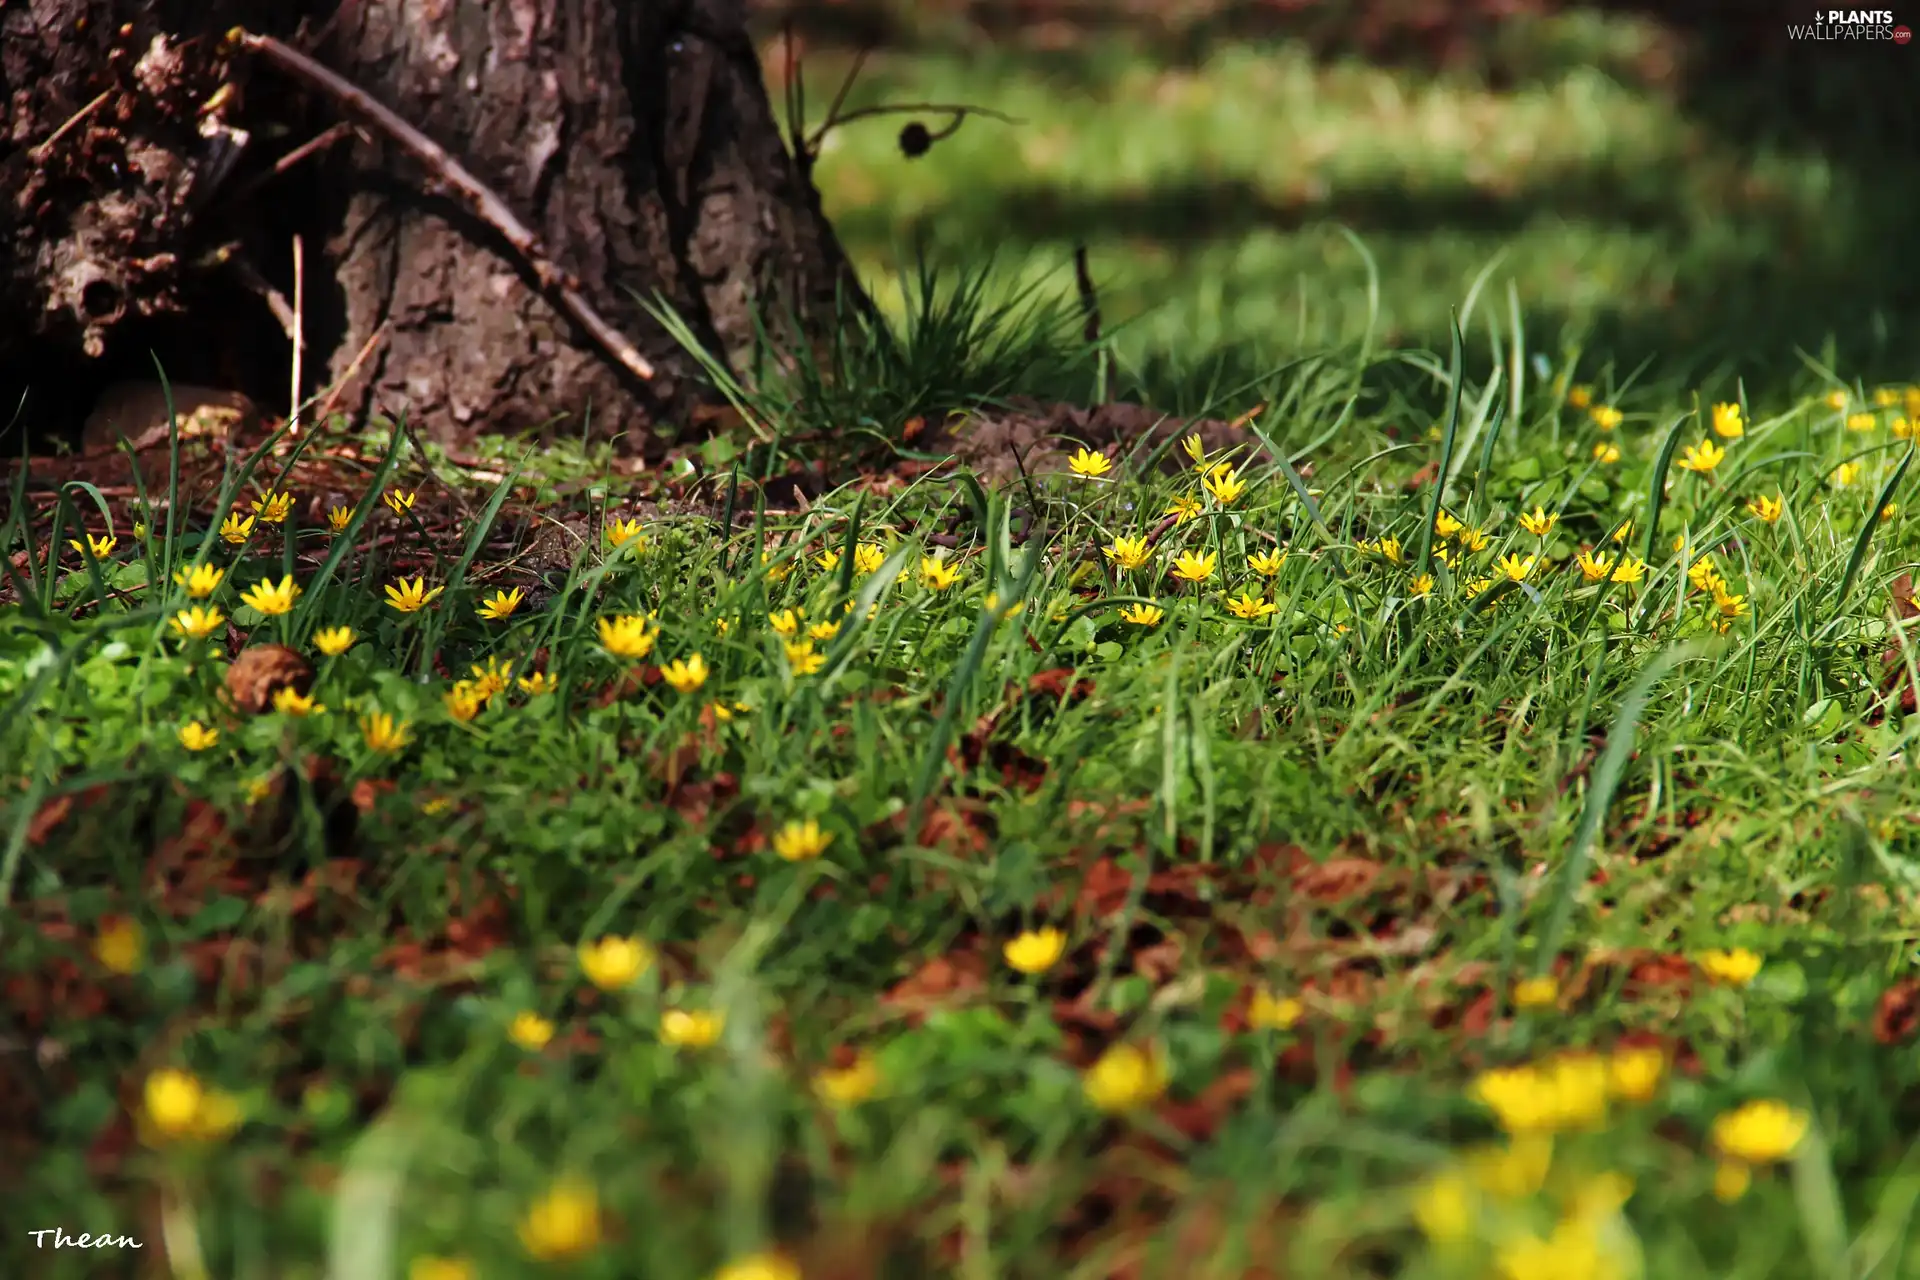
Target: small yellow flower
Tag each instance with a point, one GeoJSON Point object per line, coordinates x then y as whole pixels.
{"type": "Point", "coordinates": [775, 572]}
{"type": "Point", "coordinates": [1836, 399]}
{"type": "Point", "coordinates": [1889, 511]}
{"type": "Point", "coordinates": [333, 641]}
{"type": "Point", "coordinates": [1541, 992]}
{"type": "Point", "coordinates": [1194, 449]}
{"type": "Point", "coordinates": [101, 547]}
{"type": "Point", "coordinates": [1516, 566]}
{"type": "Point", "coordinates": [530, 1031]}
{"type": "Point", "coordinates": [1565, 1092]}
{"type": "Point", "coordinates": [1759, 1132]}
{"type": "Point", "coordinates": [1251, 607]}
{"type": "Point", "coordinates": [1767, 510]}
{"type": "Point", "coordinates": [1470, 538]}
{"type": "Point", "coordinates": [120, 946]}
{"type": "Point", "coordinates": [1444, 1208]}
{"type": "Point", "coordinates": [1862, 422]}
{"type": "Point", "coordinates": [1477, 586]}
{"type": "Point", "coordinates": [173, 1099]}
{"type": "Point", "coordinates": [463, 701]}
{"type": "Point", "coordinates": [408, 597]}
{"type": "Point", "coordinates": [1703, 575]}
{"type": "Point", "coordinates": [1449, 556]}
{"type": "Point", "coordinates": [1886, 397]}
{"type": "Point", "coordinates": [620, 532]}
{"type": "Point", "coordinates": [491, 679]}
{"type": "Point", "coordinates": [615, 963]}
{"type": "Point", "coordinates": [140, 530]}
{"type": "Point", "coordinates": [269, 599]}
{"type": "Point", "coordinates": [338, 518]}
{"type": "Point", "coordinates": [801, 841]}
{"type": "Point", "coordinates": [1731, 968]}
{"type": "Point", "coordinates": [1185, 508]}
{"type": "Point", "coordinates": [1127, 552]}
{"type": "Point", "coordinates": [802, 658]}
{"type": "Point", "coordinates": [1634, 1073]}
{"type": "Point", "coordinates": [760, 1266]}
{"type": "Point", "coordinates": [1225, 486]}
{"type": "Point", "coordinates": [502, 605]}
{"type": "Point", "coordinates": [540, 682]}
{"type": "Point", "coordinates": [273, 508]}
{"type": "Point", "coordinates": [1630, 569]}
{"type": "Point", "coordinates": [200, 581]}
{"type": "Point", "coordinates": [1514, 1170]}
{"type": "Point", "coordinates": [1445, 525]}
{"type": "Point", "coordinates": [236, 527]}
{"type": "Point", "coordinates": [1731, 606]}
{"type": "Point", "coordinates": [1727, 422]}
{"type": "Point", "coordinates": [844, 1086]}
{"type": "Point", "coordinates": [1731, 1178]}
{"type": "Point", "coordinates": [828, 560]}
{"type": "Point", "coordinates": [1420, 584]}
{"type": "Point", "coordinates": [685, 674]}
{"type": "Point", "coordinates": [1085, 462]}
{"type": "Point", "coordinates": [785, 622]}
{"type": "Point", "coordinates": [428, 1267]}
{"type": "Point", "coordinates": [1605, 416]}
{"type": "Point", "coordinates": [1845, 474]}
{"type": "Point", "coordinates": [1579, 396]}
{"type": "Point", "coordinates": [937, 574]}
{"type": "Point", "coordinates": [1902, 428]}
{"type": "Point", "coordinates": [1142, 615]}
{"type": "Point", "coordinates": [564, 1223]}
{"type": "Point", "coordinates": [382, 734]}
{"type": "Point", "coordinates": [1387, 549]}
{"type": "Point", "coordinates": [1605, 452]}
{"type": "Point", "coordinates": [1036, 950]}
{"type": "Point", "coordinates": [1266, 563]}
{"type": "Point", "coordinates": [868, 557]}
{"type": "Point", "coordinates": [1194, 567]}
{"type": "Point", "coordinates": [399, 501]}
{"type": "Point", "coordinates": [290, 702]}
{"type": "Point", "coordinates": [1701, 458]}
{"type": "Point", "coordinates": [691, 1028]}
{"type": "Point", "coordinates": [1125, 1078]}
{"type": "Point", "coordinates": [823, 631]}
{"type": "Point", "coordinates": [627, 636]}
{"type": "Point", "coordinates": [1594, 568]}
{"type": "Point", "coordinates": [1270, 1012]}
{"type": "Point", "coordinates": [195, 736]}
{"type": "Point", "coordinates": [1538, 522]}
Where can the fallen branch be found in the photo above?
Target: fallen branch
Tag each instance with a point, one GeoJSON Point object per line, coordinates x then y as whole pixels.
{"type": "Point", "coordinates": [563, 288]}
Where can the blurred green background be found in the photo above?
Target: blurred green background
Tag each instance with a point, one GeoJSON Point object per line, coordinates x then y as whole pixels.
{"type": "Point", "coordinates": [1676, 183]}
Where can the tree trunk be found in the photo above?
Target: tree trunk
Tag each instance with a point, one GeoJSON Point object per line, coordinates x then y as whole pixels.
{"type": "Point", "coordinates": [153, 210]}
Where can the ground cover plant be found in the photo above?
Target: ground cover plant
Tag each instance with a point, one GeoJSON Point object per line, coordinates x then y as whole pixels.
{"type": "Point", "coordinates": [1440, 810]}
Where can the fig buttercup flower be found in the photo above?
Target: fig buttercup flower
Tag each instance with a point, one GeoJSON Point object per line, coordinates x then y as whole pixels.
{"type": "Point", "coordinates": [1266, 563]}
{"type": "Point", "coordinates": [172, 1100]}
{"type": "Point", "coordinates": [1250, 607]}
{"type": "Point", "coordinates": [399, 501]}
{"type": "Point", "coordinates": [101, 547]}
{"type": "Point", "coordinates": [801, 841]}
{"type": "Point", "coordinates": [1542, 992]}
{"type": "Point", "coordinates": [383, 734]}
{"type": "Point", "coordinates": [291, 702]}
{"type": "Point", "coordinates": [1224, 485]}
{"type": "Point", "coordinates": [199, 622]}
{"type": "Point", "coordinates": [685, 674]}
{"type": "Point", "coordinates": [502, 604]}
{"type": "Point", "coordinates": [333, 641]}
{"type": "Point", "coordinates": [1142, 615]}
{"type": "Point", "coordinates": [1765, 509]}
{"type": "Point", "coordinates": [1701, 458]}
{"type": "Point", "coordinates": [1270, 1012]}
{"type": "Point", "coordinates": [1517, 567]}
{"type": "Point", "coordinates": [530, 1031]}
{"type": "Point", "coordinates": [1088, 464]}
{"type": "Point", "coordinates": [785, 622]}
{"type": "Point", "coordinates": [1836, 399]}
{"type": "Point", "coordinates": [1862, 422]}
{"type": "Point", "coordinates": [802, 658]}
{"type": "Point", "coordinates": [1579, 395]}
{"type": "Point", "coordinates": [937, 574]}
{"type": "Point", "coordinates": [691, 1028]}
{"type": "Point", "coordinates": [236, 528]}
{"type": "Point", "coordinates": [1594, 568]}
{"type": "Point", "coordinates": [562, 1224]}
{"type": "Point", "coordinates": [760, 1266]}
{"type": "Point", "coordinates": [200, 581]}
{"type": "Point", "coordinates": [1735, 967]}
{"type": "Point", "coordinates": [868, 557]}
{"type": "Point", "coordinates": [269, 599]}
{"type": "Point", "coordinates": [338, 518]}
{"type": "Point", "coordinates": [844, 1086]}
{"type": "Point", "coordinates": [1184, 508]}
{"type": "Point", "coordinates": [829, 560]}
{"type": "Point", "coordinates": [1195, 449]}
{"type": "Point", "coordinates": [273, 508]}
{"type": "Point", "coordinates": [1845, 474]}
{"type": "Point", "coordinates": [1631, 569]}
{"type": "Point", "coordinates": [1634, 1072]}
{"type": "Point", "coordinates": [823, 631]}
{"type": "Point", "coordinates": [627, 636]}
{"type": "Point", "coordinates": [195, 736]}
{"type": "Point", "coordinates": [1568, 1091]}
{"type": "Point", "coordinates": [1125, 1078]}
{"type": "Point", "coordinates": [1386, 548]}
{"type": "Point", "coordinates": [411, 596]}
{"type": "Point", "coordinates": [1036, 950]}
{"type": "Point", "coordinates": [615, 963]}
{"type": "Point", "coordinates": [1445, 524]}
{"type": "Point", "coordinates": [120, 946]}
{"type": "Point", "coordinates": [620, 532]}
{"type": "Point", "coordinates": [1760, 1132]}
{"type": "Point", "coordinates": [1728, 423]}
{"type": "Point", "coordinates": [463, 701]}
{"type": "Point", "coordinates": [1605, 416]}
{"type": "Point", "coordinates": [1605, 452]}
{"type": "Point", "coordinates": [1191, 566]}
{"type": "Point", "coordinates": [1538, 522]}
{"type": "Point", "coordinates": [538, 684]}
{"type": "Point", "coordinates": [1127, 552]}
{"type": "Point", "coordinates": [1420, 584]}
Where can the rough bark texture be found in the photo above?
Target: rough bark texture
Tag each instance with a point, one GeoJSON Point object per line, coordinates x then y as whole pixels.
{"type": "Point", "coordinates": [634, 137]}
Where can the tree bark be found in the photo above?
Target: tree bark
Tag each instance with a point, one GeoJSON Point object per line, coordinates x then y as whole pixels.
{"type": "Point", "coordinates": [158, 179]}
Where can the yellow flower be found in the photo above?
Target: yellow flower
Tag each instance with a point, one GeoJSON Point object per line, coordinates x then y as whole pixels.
{"type": "Point", "coordinates": [1184, 508]}
{"type": "Point", "coordinates": [1703, 575]}
{"type": "Point", "coordinates": [1475, 586]}
{"type": "Point", "coordinates": [1444, 1208]}
{"type": "Point", "coordinates": [140, 530]}
{"type": "Point", "coordinates": [1565, 1092]}
{"type": "Point", "coordinates": [685, 674]}
{"type": "Point", "coordinates": [1036, 950]}
{"type": "Point", "coordinates": [803, 660]}
{"type": "Point", "coordinates": [1701, 458]}
{"type": "Point", "coordinates": [1605, 416]}
{"type": "Point", "coordinates": [1513, 1171]}
{"type": "Point", "coordinates": [785, 622]}
{"type": "Point", "coordinates": [1224, 485]}
{"type": "Point", "coordinates": [338, 518]}
{"type": "Point", "coordinates": [1730, 606]}
{"type": "Point", "coordinates": [1731, 1178]}
{"type": "Point", "coordinates": [620, 532]}
{"type": "Point", "coordinates": [290, 702]}
{"type": "Point", "coordinates": [564, 1223]}
{"type": "Point", "coordinates": [1766, 509]}
{"type": "Point", "coordinates": [530, 1031]}
{"type": "Point", "coordinates": [199, 581]}
{"type": "Point", "coordinates": [844, 1086]}
{"type": "Point", "coordinates": [1195, 449]}
{"type": "Point", "coordinates": [273, 508]}
{"type": "Point", "coordinates": [382, 734]}
{"type": "Point", "coordinates": [120, 946]}
{"type": "Point", "coordinates": [1449, 556]}
{"type": "Point", "coordinates": [1889, 511]}
{"type": "Point", "coordinates": [1605, 452]}
{"type": "Point", "coordinates": [408, 597]}
{"type": "Point", "coordinates": [1470, 538]}
{"type": "Point", "coordinates": [868, 557]}
{"type": "Point", "coordinates": [1733, 968]}
{"type": "Point", "coordinates": [1541, 992]}
{"type": "Point", "coordinates": [1387, 549]}
{"type": "Point", "coordinates": [1251, 607]}
{"type": "Point", "coordinates": [1630, 569]}
{"type": "Point", "coordinates": [1902, 428]}
{"type": "Point", "coordinates": [333, 641]}
{"type": "Point", "coordinates": [1270, 1012]}
{"type": "Point", "coordinates": [1539, 523]}
{"type": "Point", "coordinates": [1861, 422]}
{"type": "Point", "coordinates": [615, 963]}
{"type": "Point", "coordinates": [1886, 397]}
{"type": "Point", "coordinates": [1085, 462]}
{"type": "Point", "coordinates": [1594, 568]}
{"type": "Point", "coordinates": [173, 1099]}
{"type": "Point", "coordinates": [1759, 1132]}
{"type": "Point", "coordinates": [490, 679]}
{"type": "Point", "coordinates": [1266, 563]}
{"type": "Point", "coordinates": [1517, 567]}
{"type": "Point", "coordinates": [1142, 615]}
{"type": "Point", "coordinates": [195, 736]}
{"type": "Point", "coordinates": [1579, 396]}
{"type": "Point", "coordinates": [502, 605]}
{"type": "Point", "coordinates": [823, 630]}
{"type": "Point", "coordinates": [937, 574]}
{"type": "Point", "coordinates": [801, 841]}
{"type": "Point", "coordinates": [1125, 1078]}
{"type": "Point", "coordinates": [269, 599]}
{"type": "Point", "coordinates": [1727, 421]}
{"type": "Point", "coordinates": [627, 636]}
{"type": "Point", "coordinates": [1845, 474]}
{"type": "Point", "coordinates": [236, 527]}
{"type": "Point", "coordinates": [1445, 525]}
{"type": "Point", "coordinates": [691, 1028]}
{"type": "Point", "coordinates": [399, 501]}
{"type": "Point", "coordinates": [540, 682]}
{"type": "Point", "coordinates": [1836, 399]}
{"type": "Point", "coordinates": [1635, 1071]}
{"type": "Point", "coordinates": [775, 572]}
{"type": "Point", "coordinates": [1127, 552]}
{"type": "Point", "coordinates": [760, 1266]}
{"type": "Point", "coordinates": [1421, 584]}
{"type": "Point", "coordinates": [1194, 567]}
{"type": "Point", "coordinates": [428, 1267]}
{"type": "Point", "coordinates": [829, 560]}
{"type": "Point", "coordinates": [101, 547]}
{"type": "Point", "coordinates": [1572, 1252]}
{"type": "Point", "coordinates": [463, 701]}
